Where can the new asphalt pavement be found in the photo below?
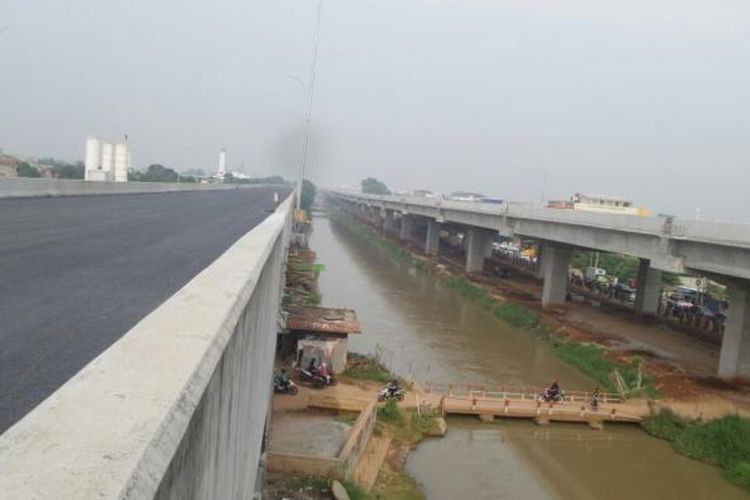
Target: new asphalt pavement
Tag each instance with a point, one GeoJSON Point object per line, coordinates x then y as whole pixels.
{"type": "Point", "coordinates": [77, 273]}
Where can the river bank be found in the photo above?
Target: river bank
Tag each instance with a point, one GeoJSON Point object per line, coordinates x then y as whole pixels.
{"type": "Point", "coordinates": [567, 342]}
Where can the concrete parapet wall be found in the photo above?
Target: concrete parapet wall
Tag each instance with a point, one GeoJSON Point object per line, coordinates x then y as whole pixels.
{"type": "Point", "coordinates": [177, 407]}
{"type": "Point", "coordinates": [36, 188]}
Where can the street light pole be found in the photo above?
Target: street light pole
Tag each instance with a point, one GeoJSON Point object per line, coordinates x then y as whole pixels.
{"type": "Point", "coordinates": [310, 95]}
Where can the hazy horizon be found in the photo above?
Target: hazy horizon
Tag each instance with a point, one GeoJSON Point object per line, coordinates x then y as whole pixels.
{"type": "Point", "coordinates": [642, 100]}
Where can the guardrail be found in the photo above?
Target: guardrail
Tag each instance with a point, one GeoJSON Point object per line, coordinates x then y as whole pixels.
{"type": "Point", "coordinates": [502, 393]}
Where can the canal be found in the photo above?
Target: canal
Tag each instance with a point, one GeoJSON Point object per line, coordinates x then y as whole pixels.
{"type": "Point", "coordinates": [430, 332]}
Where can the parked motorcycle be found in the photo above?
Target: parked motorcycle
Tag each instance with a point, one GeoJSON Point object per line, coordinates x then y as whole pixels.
{"type": "Point", "coordinates": [391, 391]}
{"type": "Point", "coordinates": [315, 379]}
{"type": "Point", "coordinates": [285, 387]}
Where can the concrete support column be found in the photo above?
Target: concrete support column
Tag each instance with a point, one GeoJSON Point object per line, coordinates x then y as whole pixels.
{"type": "Point", "coordinates": [432, 244]}
{"type": "Point", "coordinates": [555, 265]}
{"type": "Point", "coordinates": [407, 227]}
{"type": "Point", "coordinates": [374, 215]}
{"type": "Point", "coordinates": [479, 247]}
{"type": "Point", "coordinates": [734, 360]}
{"type": "Point", "coordinates": [539, 274]}
{"type": "Point", "coordinates": [389, 222]}
{"type": "Point", "coordinates": [648, 293]}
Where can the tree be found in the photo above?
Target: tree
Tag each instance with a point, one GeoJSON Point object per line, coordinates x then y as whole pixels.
{"type": "Point", "coordinates": [23, 169]}
{"type": "Point", "coordinates": [69, 171]}
{"type": "Point", "coordinates": [371, 185]}
{"type": "Point", "coordinates": [63, 169]}
{"type": "Point", "coordinates": [308, 194]}
{"type": "Point", "coordinates": [157, 173]}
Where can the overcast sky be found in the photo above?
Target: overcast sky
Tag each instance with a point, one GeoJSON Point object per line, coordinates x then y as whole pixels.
{"type": "Point", "coordinates": [648, 99]}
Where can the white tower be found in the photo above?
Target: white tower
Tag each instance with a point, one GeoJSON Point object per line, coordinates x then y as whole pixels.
{"type": "Point", "coordinates": [222, 162]}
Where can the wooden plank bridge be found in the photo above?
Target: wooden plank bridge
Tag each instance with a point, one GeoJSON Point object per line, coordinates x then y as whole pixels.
{"type": "Point", "coordinates": [524, 402]}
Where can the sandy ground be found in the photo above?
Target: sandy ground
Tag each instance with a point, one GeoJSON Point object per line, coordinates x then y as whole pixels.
{"type": "Point", "coordinates": [312, 433]}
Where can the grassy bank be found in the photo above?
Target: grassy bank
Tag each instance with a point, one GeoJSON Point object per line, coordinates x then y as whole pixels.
{"type": "Point", "coordinates": [590, 359]}
{"type": "Point", "coordinates": [724, 442]}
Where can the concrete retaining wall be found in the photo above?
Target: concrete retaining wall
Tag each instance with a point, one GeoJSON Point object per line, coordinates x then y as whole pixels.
{"type": "Point", "coordinates": [35, 188]}
{"type": "Point", "coordinates": [177, 407]}
{"type": "Point", "coordinates": [343, 466]}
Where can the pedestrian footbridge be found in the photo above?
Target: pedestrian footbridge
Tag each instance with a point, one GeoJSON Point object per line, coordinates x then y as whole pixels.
{"type": "Point", "coordinates": [525, 403]}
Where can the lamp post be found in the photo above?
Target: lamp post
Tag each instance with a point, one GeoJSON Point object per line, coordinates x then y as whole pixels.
{"type": "Point", "coordinates": [302, 143]}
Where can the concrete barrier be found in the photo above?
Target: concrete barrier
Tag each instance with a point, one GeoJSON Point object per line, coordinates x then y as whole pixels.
{"type": "Point", "coordinates": [178, 406]}
{"type": "Point", "coordinates": [20, 187]}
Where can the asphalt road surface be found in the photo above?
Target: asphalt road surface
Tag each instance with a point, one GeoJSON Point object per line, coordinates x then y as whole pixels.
{"type": "Point", "coordinates": [77, 273]}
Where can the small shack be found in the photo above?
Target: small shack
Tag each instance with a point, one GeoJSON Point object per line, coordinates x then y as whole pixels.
{"type": "Point", "coordinates": [322, 333]}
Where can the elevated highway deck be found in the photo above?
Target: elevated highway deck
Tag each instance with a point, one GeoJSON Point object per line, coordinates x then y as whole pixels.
{"type": "Point", "coordinates": [76, 273]}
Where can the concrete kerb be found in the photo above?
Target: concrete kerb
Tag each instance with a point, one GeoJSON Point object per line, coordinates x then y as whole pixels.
{"type": "Point", "coordinates": [50, 188]}
{"type": "Point", "coordinates": [113, 429]}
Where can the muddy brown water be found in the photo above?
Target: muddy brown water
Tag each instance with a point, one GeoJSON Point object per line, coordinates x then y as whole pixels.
{"type": "Point", "coordinates": [424, 329]}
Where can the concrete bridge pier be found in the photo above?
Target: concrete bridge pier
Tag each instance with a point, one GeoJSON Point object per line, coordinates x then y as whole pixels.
{"type": "Point", "coordinates": [408, 227]}
{"type": "Point", "coordinates": [432, 244]}
{"type": "Point", "coordinates": [478, 248]}
{"type": "Point", "coordinates": [649, 284]}
{"type": "Point", "coordinates": [539, 272]}
{"type": "Point", "coordinates": [555, 262]}
{"type": "Point", "coordinates": [389, 222]}
{"type": "Point", "coordinates": [374, 215]}
{"type": "Point", "coordinates": [734, 360]}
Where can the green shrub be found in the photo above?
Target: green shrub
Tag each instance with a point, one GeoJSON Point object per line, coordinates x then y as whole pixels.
{"type": "Point", "coordinates": [665, 425]}
{"type": "Point", "coordinates": [355, 491]}
{"type": "Point", "coordinates": [518, 316]}
{"type": "Point", "coordinates": [724, 441]}
{"type": "Point", "coordinates": [390, 412]}
{"type": "Point", "coordinates": [367, 368]}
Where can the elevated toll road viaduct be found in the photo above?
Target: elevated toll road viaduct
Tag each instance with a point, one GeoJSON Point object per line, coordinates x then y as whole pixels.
{"type": "Point", "coordinates": [718, 250]}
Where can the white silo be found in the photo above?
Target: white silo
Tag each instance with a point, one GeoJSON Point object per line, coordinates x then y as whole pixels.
{"type": "Point", "coordinates": [222, 162]}
{"type": "Point", "coordinates": [108, 158]}
{"type": "Point", "coordinates": [93, 161]}
{"type": "Point", "coordinates": [121, 157]}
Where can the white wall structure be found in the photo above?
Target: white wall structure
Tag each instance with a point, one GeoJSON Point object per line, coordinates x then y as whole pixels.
{"type": "Point", "coordinates": [177, 408]}
{"type": "Point", "coordinates": [121, 162]}
{"type": "Point", "coordinates": [106, 161]}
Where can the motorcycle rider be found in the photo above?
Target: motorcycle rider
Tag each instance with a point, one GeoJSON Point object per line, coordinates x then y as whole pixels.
{"type": "Point", "coordinates": [595, 398]}
{"type": "Point", "coordinates": [311, 366]}
{"type": "Point", "coordinates": [553, 391]}
{"type": "Point", "coordinates": [393, 387]}
{"type": "Point", "coordinates": [323, 372]}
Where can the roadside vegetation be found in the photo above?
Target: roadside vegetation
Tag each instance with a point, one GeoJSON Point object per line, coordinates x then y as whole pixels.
{"type": "Point", "coordinates": [362, 367]}
{"type": "Point", "coordinates": [724, 442]}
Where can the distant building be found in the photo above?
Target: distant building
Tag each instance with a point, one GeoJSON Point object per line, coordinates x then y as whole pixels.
{"type": "Point", "coordinates": [222, 163]}
{"type": "Point", "coordinates": [107, 161]}
{"type": "Point", "coordinates": [8, 166]}
{"type": "Point", "coordinates": [600, 203]}
{"type": "Point", "coordinates": [466, 196]}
